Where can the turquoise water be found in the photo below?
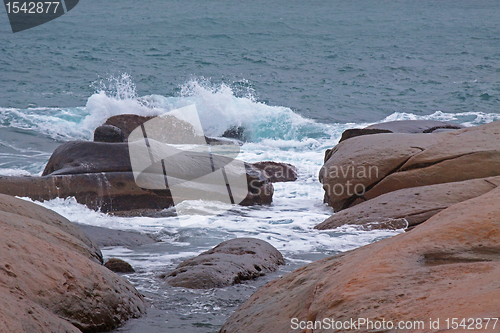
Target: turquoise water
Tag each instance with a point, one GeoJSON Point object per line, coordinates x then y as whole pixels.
{"type": "Point", "coordinates": [293, 74]}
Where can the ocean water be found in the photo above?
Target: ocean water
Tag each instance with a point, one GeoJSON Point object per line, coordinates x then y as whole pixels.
{"type": "Point", "coordinates": [294, 75]}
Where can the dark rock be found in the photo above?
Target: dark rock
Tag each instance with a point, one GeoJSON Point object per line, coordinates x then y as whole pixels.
{"type": "Point", "coordinates": [99, 175]}
{"type": "Point", "coordinates": [107, 192]}
{"type": "Point", "coordinates": [109, 237]}
{"type": "Point", "coordinates": [353, 132]}
{"type": "Point", "coordinates": [235, 133]}
{"type": "Point", "coordinates": [228, 263]}
{"type": "Point", "coordinates": [128, 122]}
{"type": "Point", "coordinates": [119, 266]}
{"type": "Point", "coordinates": [400, 126]}
{"type": "Point", "coordinates": [108, 133]}
{"type": "Point", "coordinates": [278, 172]}
{"type": "Point", "coordinates": [78, 157]}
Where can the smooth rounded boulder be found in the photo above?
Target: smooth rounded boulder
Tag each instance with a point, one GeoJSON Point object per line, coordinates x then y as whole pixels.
{"type": "Point", "coordinates": [365, 167]}
{"type": "Point", "coordinates": [108, 133]}
{"type": "Point", "coordinates": [228, 263]}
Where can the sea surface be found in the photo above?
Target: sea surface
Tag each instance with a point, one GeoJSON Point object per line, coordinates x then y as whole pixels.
{"type": "Point", "coordinates": [293, 74]}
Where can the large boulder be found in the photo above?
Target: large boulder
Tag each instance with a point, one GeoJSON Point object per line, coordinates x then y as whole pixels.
{"type": "Point", "coordinates": [408, 207]}
{"type": "Point", "coordinates": [365, 167]}
{"type": "Point", "coordinates": [50, 278]}
{"type": "Point", "coordinates": [228, 263]}
{"type": "Point", "coordinates": [99, 175]}
{"type": "Point", "coordinates": [447, 267]}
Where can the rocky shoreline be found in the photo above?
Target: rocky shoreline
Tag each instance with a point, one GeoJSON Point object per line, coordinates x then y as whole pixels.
{"type": "Point", "coordinates": [436, 180]}
{"type": "Point", "coordinates": [442, 185]}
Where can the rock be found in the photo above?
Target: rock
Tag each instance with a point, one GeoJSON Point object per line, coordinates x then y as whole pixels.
{"type": "Point", "coordinates": [278, 172]}
{"type": "Point", "coordinates": [401, 126]}
{"type": "Point", "coordinates": [107, 192]}
{"type": "Point", "coordinates": [50, 277]}
{"type": "Point", "coordinates": [414, 126]}
{"type": "Point", "coordinates": [9, 204]}
{"type": "Point", "coordinates": [364, 167]}
{"type": "Point", "coordinates": [109, 237]}
{"type": "Point", "coordinates": [119, 266]}
{"type": "Point", "coordinates": [447, 267]}
{"type": "Point", "coordinates": [359, 163]}
{"type": "Point", "coordinates": [228, 263]}
{"type": "Point", "coordinates": [99, 175]}
{"type": "Point", "coordinates": [235, 133]}
{"type": "Point", "coordinates": [108, 133]}
{"type": "Point", "coordinates": [408, 207]}
{"type": "Point", "coordinates": [78, 157]}
{"type": "Point", "coordinates": [353, 132]}
{"type": "Point", "coordinates": [127, 122]}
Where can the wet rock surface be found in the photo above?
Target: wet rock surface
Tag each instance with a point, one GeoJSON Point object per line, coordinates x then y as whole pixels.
{"type": "Point", "coordinates": [103, 237]}
{"type": "Point", "coordinates": [228, 263]}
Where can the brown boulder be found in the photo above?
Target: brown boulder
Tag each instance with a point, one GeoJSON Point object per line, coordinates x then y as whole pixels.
{"type": "Point", "coordinates": [119, 266]}
{"type": "Point", "coordinates": [228, 263]}
{"type": "Point", "coordinates": [127, 122]}
{"type": "Point", "coordinates": [278, 172]}
{"type": "Point", "coordinates": [99, 175]}
{"type": "Point", "coordinates": [357, 164]}
{"type": "Point", "coordinates": [447, 267]}
{"type": "Point", "coordinates": [398, 161]}
{"type": "Point", "coordinates": [408, 207]}
{"type": "Point", "coordinates": [50, 277]}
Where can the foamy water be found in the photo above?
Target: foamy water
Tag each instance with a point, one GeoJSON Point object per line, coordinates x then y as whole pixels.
{"type": "Point", "coordinates": [273, 133]}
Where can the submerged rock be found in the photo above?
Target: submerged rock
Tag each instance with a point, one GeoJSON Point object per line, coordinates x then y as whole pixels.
{"type": "Point", "coordinates": [110, 237]}
{"type": "Point", "coordinates": [447, 267]}
{"type": "Point", "coordinates": [228, 263]}
{"type": "Point", "coordinates": [51, 279]}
